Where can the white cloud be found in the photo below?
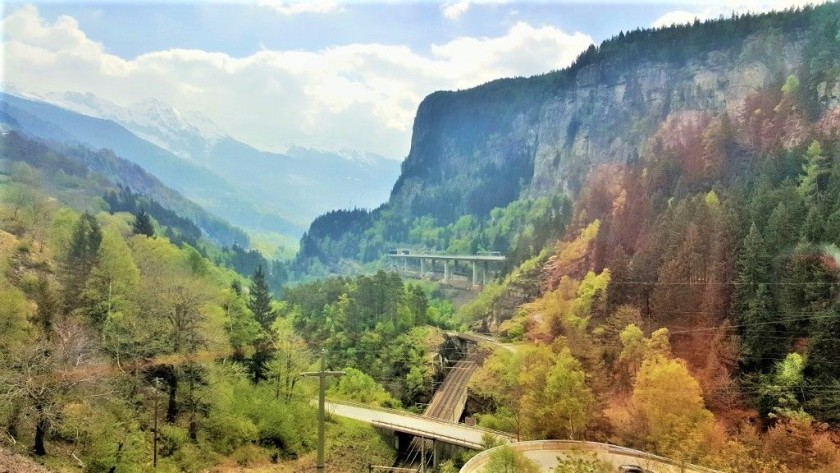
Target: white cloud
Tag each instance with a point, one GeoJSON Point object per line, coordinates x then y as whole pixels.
{"type": "Point", "coordinates": [299, 7]}
{"type": "Point", "coordinates": [708, 10]}
{"type": "Point", "coordinates": [454, 10]}
{"type": "Point", "coordinates": [359, 96]}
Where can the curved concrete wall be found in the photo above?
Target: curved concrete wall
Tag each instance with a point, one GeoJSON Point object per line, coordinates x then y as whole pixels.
{"type": "Point", "coordinates": [545, 453]}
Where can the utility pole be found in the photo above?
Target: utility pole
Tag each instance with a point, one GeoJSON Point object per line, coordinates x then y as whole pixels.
{"type": "Point", "coordinates": [155, 438]}
{"type": "Point", "coordinates": [156, 391]}
{"type": "Point", "coordinates": [322, 386]}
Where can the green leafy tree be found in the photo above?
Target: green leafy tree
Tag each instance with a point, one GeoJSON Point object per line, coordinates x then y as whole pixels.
{"type": "Point", "coordinates": [114, 280]}
{"type": "Point", "coordinates": [290, 358]}
{"type": "Point", "coordinates": [576, 464]}
{"type": "Point", "coordinates": [780, 390]}
{"type": "Point", "coordinates": [359, 387]}
{"type": "Point", "coordinates": [568, 400]}
{"type": "Point", "coordinates": [506, 459]}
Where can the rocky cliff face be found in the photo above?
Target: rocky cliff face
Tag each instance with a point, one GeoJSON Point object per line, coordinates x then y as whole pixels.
{"type": "Point", "coordinates": [476, 149]}
{"type": "Point", "coordinates": [603, 119]}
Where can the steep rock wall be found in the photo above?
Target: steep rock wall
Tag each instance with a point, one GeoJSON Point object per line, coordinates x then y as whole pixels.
{"type": "Point", "coordinates": [484, 147]}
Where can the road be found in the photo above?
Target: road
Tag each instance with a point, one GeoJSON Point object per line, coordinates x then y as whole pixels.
{"type": "Point", "coordinates": [447, 432]}
{"type": "Point", "coordinates": [479, 339]}
{"type": "Point", "coordinates": [545, 453]}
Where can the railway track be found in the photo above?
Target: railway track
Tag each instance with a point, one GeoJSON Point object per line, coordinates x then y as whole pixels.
{"type": "Point", "coordinates": [451, 393]}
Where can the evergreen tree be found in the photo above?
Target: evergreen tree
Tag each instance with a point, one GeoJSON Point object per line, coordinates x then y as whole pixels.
{"type": "Point", "coordinates": [143, 224]}
{"type": "Point", "coordinates": [260, 300]}
{"type": "Point", "coordinates": [815, 173]}
{"type": "Point", "coordinates": [814, 226]}
{"type": "Point", "coordinates": [754, 307]}
{"type": "Point", "coordinates": [259, 303]}
{"type": "Point", "coordinates": [80, 259]}
{"type": "Point", "coordinates": [782, 229]}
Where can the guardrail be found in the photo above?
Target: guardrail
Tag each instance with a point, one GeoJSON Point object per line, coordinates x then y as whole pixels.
{"type": "Point", "coordinates": [497, 433]}
{"type": "Point", "coordinates": [571, 446]}
{"type": "Point", "coordinates": [461, 442]}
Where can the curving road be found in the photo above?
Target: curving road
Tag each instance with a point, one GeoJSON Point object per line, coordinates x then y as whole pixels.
{"type": "Point", "coordinates": [545, 453]}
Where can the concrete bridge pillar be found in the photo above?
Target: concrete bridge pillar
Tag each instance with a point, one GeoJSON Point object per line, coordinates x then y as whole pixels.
{"type": "Point", "coordinates": [422, 267]}
{"type": "Point", "coordinates": [445, 270]}
{"type": "Point", "coordinates": [474, 274]}
{"type": "Point", "coordinates": [405, 265]}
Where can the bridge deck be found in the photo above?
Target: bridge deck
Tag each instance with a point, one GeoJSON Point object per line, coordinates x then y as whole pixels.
{"type": "Point", "coordinates": [447, 432]}
{"type": "Point", "coordinates": [450, 257]}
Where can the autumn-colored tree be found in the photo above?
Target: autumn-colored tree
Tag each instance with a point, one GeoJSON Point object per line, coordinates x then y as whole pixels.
{"type": "Point", "coordinates": [669, 404]}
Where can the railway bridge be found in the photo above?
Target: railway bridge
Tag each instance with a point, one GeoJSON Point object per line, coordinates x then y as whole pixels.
{"type": "Point", "coordinates": [439, 426]}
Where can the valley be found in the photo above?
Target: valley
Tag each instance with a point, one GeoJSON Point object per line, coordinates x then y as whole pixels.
{"type": "Point", "coordinates": [632, 261]}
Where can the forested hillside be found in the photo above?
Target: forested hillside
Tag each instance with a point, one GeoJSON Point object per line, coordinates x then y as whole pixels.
{"type": "Point", "coordinates": [676, 192]}
{"type": "Point", "coordinates": [513, 141]}
{"type": "Point", "coordinates": [117, 316]}
{"type": "Point", "coordinates": [55, 124]}
{"type": "Point", "coordinates": [669, 207]}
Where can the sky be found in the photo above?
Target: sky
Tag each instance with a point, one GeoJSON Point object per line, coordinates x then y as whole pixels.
{"type": "Point", "coordinates": [325, 74]}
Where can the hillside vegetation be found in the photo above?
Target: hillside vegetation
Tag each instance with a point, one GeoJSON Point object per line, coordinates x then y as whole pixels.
{"type": "Point", "coordinates": [116, 315]}
{"type": "Point", "coordinates": [680, 214]}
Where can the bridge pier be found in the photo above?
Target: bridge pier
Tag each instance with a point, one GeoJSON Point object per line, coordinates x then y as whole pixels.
{"type": "Point", "coordinates": [427, 266]}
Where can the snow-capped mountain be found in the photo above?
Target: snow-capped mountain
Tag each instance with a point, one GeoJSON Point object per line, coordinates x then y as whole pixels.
{"type": "Point", "coordinates": [188, 135]}
{"type": "Point", "coordinates": [297, 185]}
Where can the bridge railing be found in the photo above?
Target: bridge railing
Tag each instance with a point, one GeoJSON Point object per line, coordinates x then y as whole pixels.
{"type": "Point", "coordinates": [497, 433]}
{"type": "Point", "coordinates": [460, 441]}
{"type": "Point", "coordinates": [571, 446]}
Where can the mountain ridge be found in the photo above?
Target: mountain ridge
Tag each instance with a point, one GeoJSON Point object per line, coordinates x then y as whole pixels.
{"type": "Point", "coordinates": [295, 186]}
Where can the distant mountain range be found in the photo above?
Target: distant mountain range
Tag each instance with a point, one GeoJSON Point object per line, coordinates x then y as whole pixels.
{"type": "Point", "coordinates": [256, 190]}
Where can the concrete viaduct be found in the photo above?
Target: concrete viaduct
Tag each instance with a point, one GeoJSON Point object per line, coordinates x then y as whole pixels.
{"type": "Point", "coordinates": [480, 263]}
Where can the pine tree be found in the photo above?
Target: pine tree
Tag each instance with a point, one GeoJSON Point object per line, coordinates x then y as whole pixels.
{"type": "Point", "coordinates": [754, 307]}
{"type": "Point", "coordinates": [259, 303]}
{"type": "Point", "coordinates": [143, 224]}
{"type": "Point", "coordinates": [80, 259]}
{"type": "Point", "coordinates": [815, 173]}
{"type": "Point", "coordinates": [260, 300]}
{"type": "Point", "coordinates": [753, 269]}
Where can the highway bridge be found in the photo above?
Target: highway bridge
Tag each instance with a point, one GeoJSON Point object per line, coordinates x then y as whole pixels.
{"type": "Point", "coordinates": [439, 424]}
{"type": "Point", "coordinates": [451, 433]}
{"type": "Point", "coordinates": [545, 453]}
{"type": "Point", "coordinates": [479, 262]}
